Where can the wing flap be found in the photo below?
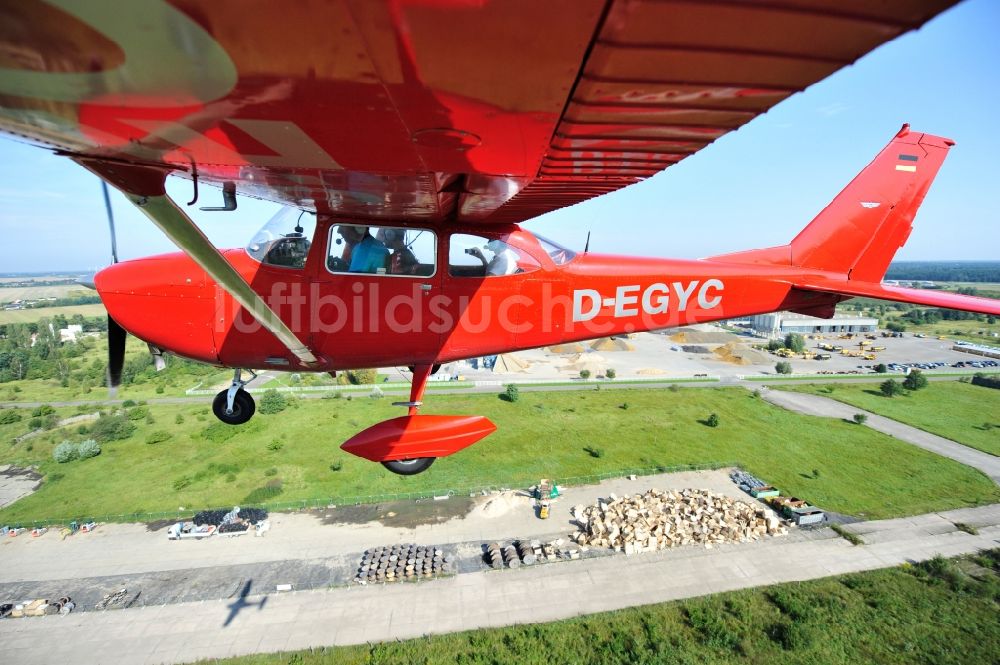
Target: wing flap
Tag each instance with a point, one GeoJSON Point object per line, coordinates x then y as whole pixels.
{"type": "Point", "coordinates": [901, 294]}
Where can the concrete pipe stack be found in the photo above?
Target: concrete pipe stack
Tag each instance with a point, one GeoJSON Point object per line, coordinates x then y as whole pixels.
{"type": "Point", "coordinates": [394, 563]}
{"type": "Point", "coordinates": [660, 520]}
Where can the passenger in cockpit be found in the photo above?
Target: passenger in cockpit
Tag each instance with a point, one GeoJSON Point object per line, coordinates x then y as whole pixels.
{"type": "Point", "coordinates": [401, 261]}
{"type": "Point", "coordinates": [367, 254]}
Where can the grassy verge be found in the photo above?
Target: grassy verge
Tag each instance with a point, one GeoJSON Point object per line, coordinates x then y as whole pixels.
{"type": "Point", "coordinates": [958, 411]}
{"type": "Point", "coordinates": [933, 612]}
{"type": "Point", "coordinates": [295, 455]}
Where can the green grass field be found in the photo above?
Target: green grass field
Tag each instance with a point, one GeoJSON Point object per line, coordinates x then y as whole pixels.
{"type": "Point", "coordinates": [957, 411]}
{"type": "Point", "coordinates": [935, 612]}
{"type": "Point", "coordinates": [205, 463]}
{"type": "Point", "coordinates": [12, 293]}
{"type": "Point", "coordinates": [32, 315]}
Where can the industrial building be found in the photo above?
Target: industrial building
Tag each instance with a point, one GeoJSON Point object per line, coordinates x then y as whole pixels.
{"type": "Point", "coordinates": [782, 323]}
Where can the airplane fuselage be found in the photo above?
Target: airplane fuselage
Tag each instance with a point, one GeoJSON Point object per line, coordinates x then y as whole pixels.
{"type": "Point", "coordinates": [377, 320]}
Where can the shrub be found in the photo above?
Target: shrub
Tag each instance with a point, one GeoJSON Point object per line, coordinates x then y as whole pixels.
{"type": "Point", "coordinates": [9, 416]}
{"type": "Point", "coordinates": [88, 448]}
{"type": "Point", "coordinates": [137, 413]}
{"type": "Point", "coordinates": [82, 429]}
{"type": "Point", "coordinates": [275, 446]}
{"type": "Point", "coordinates": [890, 388]}
{"type": "Point", "coordinates": [43, 410]}
{"type": "Point", "coordinates": [159, 436]}
{"type": "Point", "coordinates": [774, 345]}
{"type": "Point", "coordinates": [756, 394]}
{"type": "Point", "coordinates": [610, 373]}
{"type": "Point", "coordinates": [783, 367]}
{"type": "Point", "coordinates": [915, 380]}
{"type": "Point", "coordinates": [159, 389]}
{"type": "Point", "coordinates": [112, 428]}
{"type": "Point", "coordinates": [584, 374]}
{"type": "Point", "coordinates": [179, 419]}
{"type": "Point", "coordinates": [336, 466]}
{"type": "Point", "coordinates": [272, 402]}
{"type": "Point", "coordinates": [64, 452]}
{"type": "Point", "coordinates": [881, 368]}
{"type": "Point", "coordinates": [623, 406]}
{"type": "Point", "coordinates": [712, 420]}
{"type": "Point", "coordinates": [271, 472]}
{"type": "Point", "coordinates": [50, 421]}
{"type": "Point", "coordinates": [980, 379]}
{"type": "Point", "coordinates": [128, 404]}
{"type": "Point", "coordinates": [35, 423]}
{"type": "Point", "coordinates": [674, 387]}
{"type": "Point", "coordinates": [181, 482]}
{"type": "Point", "coordinates": [594, 452]}
{"type": "Point", "coordinates": [893, 326]}
{"type": "Point", "coordinates": [511, 393]}
{"type": "Point", "coordinates": [362, 376]}
{"type": "Point", "coordinates": [376, 393]}
{"type": "Point", "coordinates": [815, 473]}
{"type": "Point", "coordinates": [860, 418]}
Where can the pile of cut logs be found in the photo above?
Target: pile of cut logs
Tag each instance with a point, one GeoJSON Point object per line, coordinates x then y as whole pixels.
{"type": "Point", "coordinates": [658, 520]}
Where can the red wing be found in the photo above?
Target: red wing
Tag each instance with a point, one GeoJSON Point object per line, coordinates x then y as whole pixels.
{"type": "Point", "coordinates": [475, 110]}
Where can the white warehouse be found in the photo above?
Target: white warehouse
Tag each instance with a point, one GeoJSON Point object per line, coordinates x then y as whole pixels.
{"type": "Point", "coordinates": [782, 323]}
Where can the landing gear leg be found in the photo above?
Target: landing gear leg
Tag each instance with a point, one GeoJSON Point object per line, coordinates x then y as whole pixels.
{"type": "Point", "coordinates": [235, 406]}
{"type": "Point", "coordinates": [411, 467]}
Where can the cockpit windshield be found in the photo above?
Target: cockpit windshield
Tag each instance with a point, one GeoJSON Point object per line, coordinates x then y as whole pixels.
{"type": "Point", "coordinates": [285, 240]}
{"type": "Point", "coordinates": [557, 253]}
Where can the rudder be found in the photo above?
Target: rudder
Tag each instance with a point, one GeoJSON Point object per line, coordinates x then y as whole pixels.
{"type": "Point", "coordinates": [859, 232]}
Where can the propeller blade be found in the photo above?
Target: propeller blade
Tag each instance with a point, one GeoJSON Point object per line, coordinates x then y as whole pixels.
{"type": "Point", "coordinates": [111, 222]}
{"type": "Point", "coordinates": [116, 353]}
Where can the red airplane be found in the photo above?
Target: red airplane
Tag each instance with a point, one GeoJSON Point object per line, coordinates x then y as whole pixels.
{"type": "Point", "coordinates": [407, 139]}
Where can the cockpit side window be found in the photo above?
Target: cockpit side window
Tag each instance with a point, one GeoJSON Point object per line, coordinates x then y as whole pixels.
{"type": "Point", "coordinates": [476, 256]}
{"type": "Point", "coordinates": [285, 240]}
{"type": "Point", "coordinates": [559, 254]}
{"type": "Point", "coordinates": [393, 251]}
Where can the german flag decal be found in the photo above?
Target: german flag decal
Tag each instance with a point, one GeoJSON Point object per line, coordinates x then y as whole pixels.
{"type": "Point", "coordinates": [909, 163]}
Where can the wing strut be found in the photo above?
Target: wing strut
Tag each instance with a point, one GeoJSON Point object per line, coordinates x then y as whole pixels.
{"type": "Point", "coordinates": [139, 184]}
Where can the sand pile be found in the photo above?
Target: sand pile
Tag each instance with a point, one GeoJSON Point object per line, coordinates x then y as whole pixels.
{"type": "Point", "coordinates": [650, 371]}
{"type": "Point", "coordinates": [508, 363]}
{"type": "Point", "coordinates": [500, 504]}
{"type": "Point", "coordinates": [731, 353]}
{"type": "Point", "coordinates": [693, 336]}
{"type": "Point", "coordinates": [573, 347]}
{"type": "Point", "coordinates": [612, 344]}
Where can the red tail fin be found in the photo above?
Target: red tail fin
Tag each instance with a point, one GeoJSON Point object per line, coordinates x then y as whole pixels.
{"type": "Point", "coordinates": [860, 231]}
{"type": "Point", "coordinates": [863, 227]}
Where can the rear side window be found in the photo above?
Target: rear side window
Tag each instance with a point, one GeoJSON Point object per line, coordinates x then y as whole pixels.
{"type": "Point", "coordinates": [393, 251]}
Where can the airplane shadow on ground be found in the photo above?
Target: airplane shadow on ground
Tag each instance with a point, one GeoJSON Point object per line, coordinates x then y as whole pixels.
{"type": "Point", "coordinates": [241, 602]}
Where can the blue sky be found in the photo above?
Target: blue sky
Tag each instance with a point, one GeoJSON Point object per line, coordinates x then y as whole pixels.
{"type": "Point", "coordinates": [755, 187]}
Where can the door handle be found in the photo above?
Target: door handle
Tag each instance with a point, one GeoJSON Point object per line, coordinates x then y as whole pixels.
{"type": "Point", "coordinates": [425, 287]}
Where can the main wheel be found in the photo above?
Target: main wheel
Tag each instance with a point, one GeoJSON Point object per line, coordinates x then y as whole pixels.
{"type": "Point", "coordinates": [243, 407]}
{"type": "Point", "coordinates": [409, 467]}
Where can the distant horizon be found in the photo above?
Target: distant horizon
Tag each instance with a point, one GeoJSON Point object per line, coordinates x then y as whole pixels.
{"type": "Point", "coordinates": [87, 271]}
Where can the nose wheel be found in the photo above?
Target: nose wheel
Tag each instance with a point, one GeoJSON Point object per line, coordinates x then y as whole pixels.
{"type": "Point", "coordinates": [235, 406]}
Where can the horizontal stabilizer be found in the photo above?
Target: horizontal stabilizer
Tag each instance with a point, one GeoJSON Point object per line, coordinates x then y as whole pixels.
{"type": "Point", "coordinates": [913, 296]}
